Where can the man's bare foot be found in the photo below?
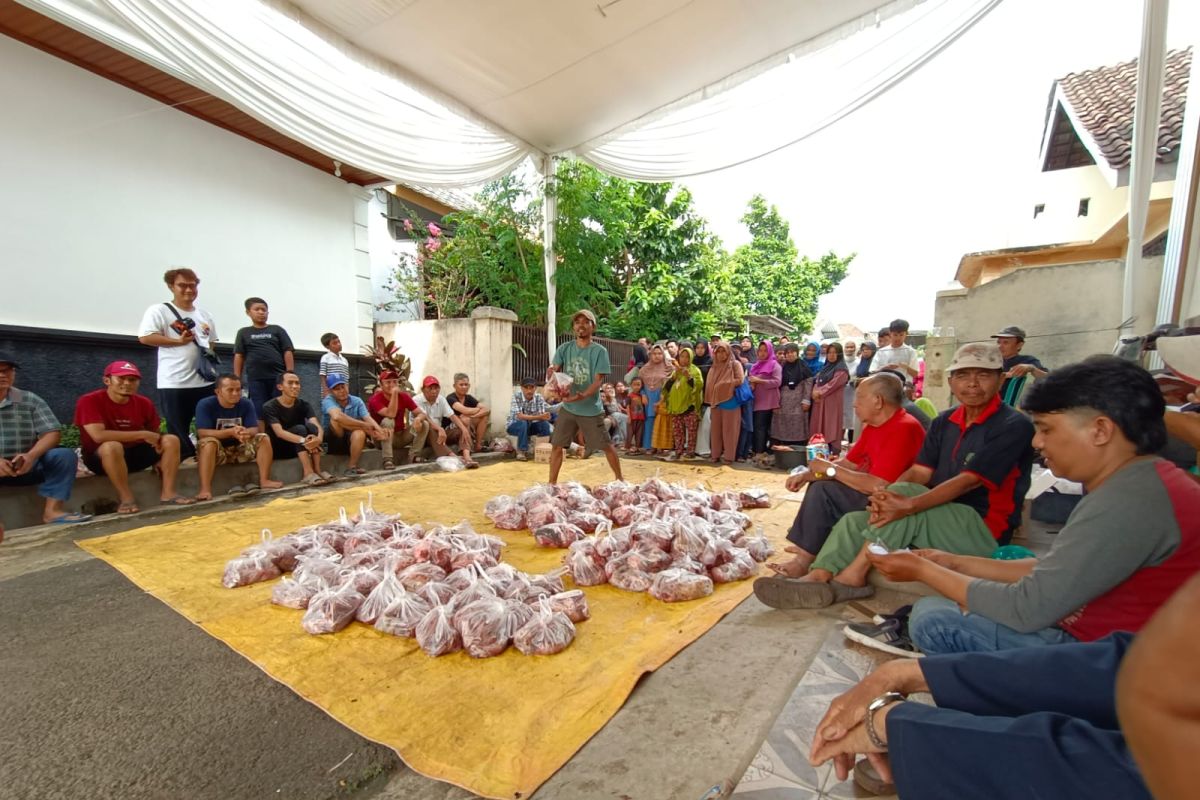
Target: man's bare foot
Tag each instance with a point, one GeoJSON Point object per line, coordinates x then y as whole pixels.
{"type": "Point", "coordinates": [818, 576]}
{"type": "Point", "coordinates": [269, 484]}
{"type": "Point", "coordinates": [791, 548]}
{"type": "Point", "coordinates": [202, 496]}
{"type": "Point", "coordinates": [793, 568]}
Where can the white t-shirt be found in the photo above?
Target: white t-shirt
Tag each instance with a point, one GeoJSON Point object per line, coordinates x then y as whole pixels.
{"type": "Point", "coordinates": [889, 356]}
{"type": "Point", "coordinates": [177, 365]}
{"type": "Point", "coordinates": [437, 410]}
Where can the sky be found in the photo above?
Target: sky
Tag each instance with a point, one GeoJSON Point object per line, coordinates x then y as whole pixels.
{"type": "Point", "coordinates": [938, 166]}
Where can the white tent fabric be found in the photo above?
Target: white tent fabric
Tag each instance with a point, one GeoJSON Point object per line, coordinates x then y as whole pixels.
{"type": "Point", "coordinates": [369, 106]}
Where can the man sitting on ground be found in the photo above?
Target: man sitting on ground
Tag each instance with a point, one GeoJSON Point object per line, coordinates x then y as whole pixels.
{"type": "Point", "coordinates": [390, 407]}
{"type": "Point", "coordinates": [347, 424]}
{"type": "Point", "coordinates": [29, 451]}
{"type": "Point", "coordinates": [527, 416]}
{"type": "Point", "coordinates": [1131, 542]}
{"type": "Point", "coordinates": [295, 431]}
{"type": "Point", "coordinates": [118, 433]}
{"type": "Point", "coordinates": [890, 442]}
{"type": "Point", "coordinates": [447, 427]}
{"type": "Point", "coordinates": [976, 457]}
{"type": "Point", "coordinates": [227, 428]}
{"type": "Point", "coordinates": [471, 411]}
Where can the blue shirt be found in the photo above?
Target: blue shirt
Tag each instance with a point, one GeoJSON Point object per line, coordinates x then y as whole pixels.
{"type": "Point", "coordinates": [211, 415]}
{"type": "Point", "coordinates": [354, 408]}
{"type": "Point", "coordinates": [583, 365]}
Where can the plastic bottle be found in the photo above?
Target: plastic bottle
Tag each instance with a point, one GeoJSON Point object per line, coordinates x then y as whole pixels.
{"type": "Point", "coordinates": [817, 448]}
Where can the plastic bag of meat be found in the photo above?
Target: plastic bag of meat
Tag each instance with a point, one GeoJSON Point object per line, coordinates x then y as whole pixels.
{"type": "Point", "coordinates": [436, 634]}
{"type": "Point", "coordinates": [585, 570]}
{"type": "Point", "coordinates": [547, 633]}
{"type": "Point", "coordinates": [331, 610]}
{"type": "Point", "coordinates": [293, 594]}
{"type": "Point", "coordinates": [481, 557]}
{"type": "Point", "coordinates": [615, 543]}
{"type": "Point", "coordinates": [572, 603]}
{"type": "Point", "coordinates": [659, 488]}
{"type": "Point", "coordinates": [460, 579]}
{"type": "Point", "coordinates": [568, 489]}
{"type": "Point", "coordinates": [725, 501]}
{"type": "Point", "coordinates": [588, 521]}
{"type": "Point", "coordinates": [318, 569]}
{"type": "Point", "coordinates": [630, 579]}
{"type": "Point", "coordinates": [245, 570]}
{"type": "Point", "coordinates": [758, 546]}
{"type": "Point", "coordinates": [557, 387]}
{"type": "Point", "coordinates": [688, 564]}
{"type": "Point", "coordinates": [485, 626]}
{"type": "Point", "coordinates": [363, 579]}
{"type": "Point", "coordinates": [534, 495]}
{"type": "Point", "coordinates": [689, 540]}
{"type": "Point", "coordinates": [403, 614]}
{"type": "Point", "coordinates": [436, 593]}
{"type": "Point", "coordinates": [418, 575]}
{"type": "Point", "coordinates": [656, 532]}
{"type": "Point", "coordinates": [520, 613]}
{"type": "Point", "coordinates": [717, 552]}
{"type": "Point", "coordinates": [434, 549]}
{"type": "Point", "coordinates": [755, 497]}
{"type": "Point", "coordinates": [364, 558]}
{"type": "Point", "coordinates": [624, 516]}
{"type": "Point", "coordinates": [382, 596]}
{"type": "Point", "coordinates": [647, 558]}
{"type": "Point", "coordinates": [282, 551]}
{"type": "Point", "coordinates": [544, 513]}
{"type": "Point", "coordinates": [551, 580]}
{"type": "Point", "coordinates": [505, 513]}
{"type": "Point", "coordinates": [359, 540]}
{"type": "Point", "coordinates": [741, 567]}
{"type": "Point", "coordinates": [557, 534]}
{"type": "Point", "coordinates": [676, 586]}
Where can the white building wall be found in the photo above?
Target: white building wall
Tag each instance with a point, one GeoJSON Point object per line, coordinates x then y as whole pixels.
{"type": "Point", "coordinates": [103, 189]}
{"type": "Point", "coordinates": [386, 253]}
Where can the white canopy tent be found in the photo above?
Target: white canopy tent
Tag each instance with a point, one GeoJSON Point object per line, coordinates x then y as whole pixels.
{"type": "Point", "coordinates": [456, 92]}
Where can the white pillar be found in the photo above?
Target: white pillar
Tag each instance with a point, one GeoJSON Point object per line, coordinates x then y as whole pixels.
{"type": "Point", "coordinates": [1183, 208]}
{"type": "Point", "coordinates": [549, 218]}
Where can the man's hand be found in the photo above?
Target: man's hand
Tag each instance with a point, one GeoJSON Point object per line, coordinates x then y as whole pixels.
{"type": "Point", "coordinates": [939, 557]}
{"type": "Point", "coordinates": [441, 436]}
{"type": "Point", "coordinates": [820, 466]}
{"type": "Point", "coordinates": [244, 434]}
{"type": "Point", "coordinates": [845, 713]}
{"type": "Point", "coordinates": [23, 463]}
{"type": "Point", "coordinates": [797, 482]}
{"type": "Point", "coordinates": [898, 565]}
{"type": "Point", "coordinates": [844, 751]}
{"type": "Point", "coordinates": [7, 468]}
{"type": "Point", "coordinates": [1018, 370]}
{"type": "Point", "coordinates": [886, 507]}
{"type": "Point", "coordinates": [152, 438]}
{"type": "Point", "coordinates": [187, 337]}
{"type": "Point", "coordinates": [378, 433]}
{"type": "Point", "coordinates": [311, 443]}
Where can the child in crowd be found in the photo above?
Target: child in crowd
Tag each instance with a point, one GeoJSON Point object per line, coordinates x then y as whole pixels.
{"type": "Point", "coordinates": [637, 417]}
{"type": "Point", "coordinates": [265, 351]}
{"type": "Point", "coordinates": [333, 362]}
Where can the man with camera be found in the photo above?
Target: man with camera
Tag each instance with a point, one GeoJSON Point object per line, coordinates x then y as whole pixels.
{"type": "Point", "coordinates": [183, 333]}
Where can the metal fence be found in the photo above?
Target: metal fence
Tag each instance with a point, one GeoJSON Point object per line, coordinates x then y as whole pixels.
{"type": "Point", "coordinates": [534, 361]}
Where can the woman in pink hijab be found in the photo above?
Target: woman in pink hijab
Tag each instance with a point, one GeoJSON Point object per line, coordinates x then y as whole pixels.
{"type": "Point", "coordinates": [765, 377]}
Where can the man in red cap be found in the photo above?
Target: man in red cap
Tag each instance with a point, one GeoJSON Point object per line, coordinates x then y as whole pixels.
{"type": "Point", "coordinates": [118, 431]}
{"type": "Point", "coordinates": [390, 407]}
{"type": "Point", "coordinates": [445, 426]}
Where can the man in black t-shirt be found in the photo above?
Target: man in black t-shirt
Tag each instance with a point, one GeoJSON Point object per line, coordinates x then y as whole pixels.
{"type": "Point", "coordinates": [1017, 366]}
{"type": "Point", "coordinates": [475, 414]}
{"type": "Point", "coordinates": [265, 351]}
{"type": "Point", "coordinates": [295, 429]}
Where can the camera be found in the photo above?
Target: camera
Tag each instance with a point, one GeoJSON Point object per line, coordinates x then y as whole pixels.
{"type": "Point", "coordinates": [182, 326]}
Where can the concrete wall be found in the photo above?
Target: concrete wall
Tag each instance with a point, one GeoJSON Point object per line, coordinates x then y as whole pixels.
{"type": "Point", "coordinates": [103, 189]}
{"type": "Point", "coordinates": [480, 346]}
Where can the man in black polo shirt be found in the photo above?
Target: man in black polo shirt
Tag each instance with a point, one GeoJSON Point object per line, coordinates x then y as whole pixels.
{"type": "Point", "coordinates": [976, 458]}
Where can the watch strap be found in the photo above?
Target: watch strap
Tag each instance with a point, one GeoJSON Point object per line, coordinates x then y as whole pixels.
{"type": "Point", "coordinates": [887, 698]}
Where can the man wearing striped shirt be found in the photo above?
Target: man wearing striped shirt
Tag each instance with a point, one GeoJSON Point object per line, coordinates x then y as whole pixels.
{"type": "Point", "coordinates": [527, 416]}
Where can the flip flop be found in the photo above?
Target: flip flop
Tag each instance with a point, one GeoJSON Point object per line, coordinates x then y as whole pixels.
{"type": "Point", "coordinates": [251, 489]}
{"type": "Point", "coordinates": [789, 593]}
{"type": "Point", "coordinates": [472, 465]}
{"type": "Point", "coordinates": [125, 509]}
{"type": "Point", "coordinates": [70, 519]}
{"type": "Point", "coordinates": [313, 479]}
{"type": "Point", "coordinates": [177, 501]}
{"type": "Point", "coordinates": [237, 491]}
{"type": "Point", "coordinates": [328, 478]}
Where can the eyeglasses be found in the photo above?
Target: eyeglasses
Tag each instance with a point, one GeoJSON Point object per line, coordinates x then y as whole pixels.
{"type": "Point", "coordinates": [183, 287]}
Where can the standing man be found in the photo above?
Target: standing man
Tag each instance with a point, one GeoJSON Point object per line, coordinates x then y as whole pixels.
{"type": "Point", "coordinates": [295, 431]}
{"type": "Point", "coordinates": [29, 451]}
{"type": "Point", "coordinates": [445, 426]}
{"type": "Point", "coordinates": [390, 407]}
{"type": "Point", "coordinates": [588, 365]}
{"type": "Point", "coordinates": [348, 424]}
{"type": "Point", "coordinates": [265, 351]}
{"type": "Point", "coordinates": [118, 434]}
{"type": "Point", "coordinates": [1017, 367]}
{"type": "Point", "coordinates": [228, 428]}
{"type": "Point", "coordinates": [182, 332]}
{"type": "Point", "coordinates": [475, 414]}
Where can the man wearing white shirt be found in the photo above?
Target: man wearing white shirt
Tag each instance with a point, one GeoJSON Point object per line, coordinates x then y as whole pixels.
{"type": "Point", "coordinates": [897, 356]}
{"type": "Point", "coordinates": [181, 331]}
{"type": "Point", "coordinates": [445, 427]}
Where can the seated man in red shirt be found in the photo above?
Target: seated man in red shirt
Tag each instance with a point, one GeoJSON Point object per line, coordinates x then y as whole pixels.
{"type": "Point", "coordinates": [890, 442]}
{"type": "Point", "coordinates": [390, 406]}
{"type": "Point", "coordinates": [118, 433]}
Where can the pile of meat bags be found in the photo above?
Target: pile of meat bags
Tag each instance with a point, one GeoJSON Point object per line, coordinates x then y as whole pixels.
{"type": "Point", "coordinates": [445, 587]}
{"type": "Point", "coordinates": [669, 540]}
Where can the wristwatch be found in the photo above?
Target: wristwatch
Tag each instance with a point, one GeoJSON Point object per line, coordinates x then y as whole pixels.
{"type": "Point", "coordinates": [829, 473]}
{"type": "Point", "coordinates": [885, 699]}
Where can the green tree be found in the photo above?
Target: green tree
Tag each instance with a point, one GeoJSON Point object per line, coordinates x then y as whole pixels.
{"type": "Point", "coordinates": [771, 277]}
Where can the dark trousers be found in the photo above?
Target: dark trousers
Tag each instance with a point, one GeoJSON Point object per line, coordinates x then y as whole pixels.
{"type": "Point", "coordinates": [825, 502]}
{"type": "Point", "coordinates": [762, 427]}
{"type": "Point", "coordinates": [179, 409]}
{"type": "Point", "coordinates": [283, 449]}
{"type": "Point", "coordinates": [745, 447]}
{"type": "Point", "coordinates": [1030, 722]}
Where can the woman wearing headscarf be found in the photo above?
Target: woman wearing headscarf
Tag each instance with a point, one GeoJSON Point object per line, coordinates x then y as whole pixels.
{"type": "Point", "coordinates": [861, 371]}
{"type": "Point", "coordinates": [654, 374]}
{"type": "Point", "coordinates": [765, 377]}
{"type": "Point", "coordinates": [827, 408]}
{"type": "Point", "coordinates": [685, 394]}
{"type": "Point", "coordinates": [851, 352]}
{"type": "Point", "coordinates": [703, 358]}
{"type": "Point", "coordinates": [812, 357]}
{"type": "Point", "coordinates": [720, 389]}
{"type": "Point", "coordinates": [789, 424]}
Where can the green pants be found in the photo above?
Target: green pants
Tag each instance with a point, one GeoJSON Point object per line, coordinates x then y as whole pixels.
{"type": "Point", "coordinates": [952, 527]}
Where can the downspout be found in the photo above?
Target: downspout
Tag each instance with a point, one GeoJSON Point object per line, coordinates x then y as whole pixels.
{"type": "Point", "coordinates": [549, 218]}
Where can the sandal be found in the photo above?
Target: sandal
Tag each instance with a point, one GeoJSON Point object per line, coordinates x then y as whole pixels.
{"type": "Point", "coordinates": [70, 518]}
{"type": "Point", "coordinates": [327, 477]}
{"type": "Point", "coordinates": [354, 472]}
{"type": "Point", "coordinates": [251, 489]}
{"type": "Point", "coordinates": [125, 509]}
{"type": "Point", "coordinates": [177, 501]}
{"type": "Point", "coordinates": [237, 491]}
{"type": "Point", "coordinates": [472, 464]}
{"type": "Point", "coordinates": [313, 479]}
{"type": "Point", "coordinates": [389, 463]}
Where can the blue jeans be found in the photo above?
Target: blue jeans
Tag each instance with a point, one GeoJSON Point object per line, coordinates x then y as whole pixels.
{"type": "Point", "coordinates": [55, 471]}
{"type": "Point", "coordinates": [937, 626]}
{"type": "Point", "coordinates": [524, 428]}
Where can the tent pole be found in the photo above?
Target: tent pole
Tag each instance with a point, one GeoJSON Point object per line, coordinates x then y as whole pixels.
{"type": "Point", "coordinates": [549, 217]}
{"type": "Point", "coordinates": [1147, 109]}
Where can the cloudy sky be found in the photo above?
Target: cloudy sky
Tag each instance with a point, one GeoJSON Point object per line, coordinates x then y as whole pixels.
{"type": "Point", "coordinates": [937, 166]}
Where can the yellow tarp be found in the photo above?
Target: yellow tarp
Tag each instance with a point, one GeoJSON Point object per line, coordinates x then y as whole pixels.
{"type": "Point", "coordinates": [498, 727]}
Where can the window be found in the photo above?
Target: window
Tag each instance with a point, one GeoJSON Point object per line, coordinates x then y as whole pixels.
{"type": "Point", "coordinates": [1038, 209]}
{"type": "Point", "coordinates": [1083, 206]}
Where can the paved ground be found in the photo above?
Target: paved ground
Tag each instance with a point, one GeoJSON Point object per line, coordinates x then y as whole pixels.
{"type": "Point", "coordinates": [109, 693]}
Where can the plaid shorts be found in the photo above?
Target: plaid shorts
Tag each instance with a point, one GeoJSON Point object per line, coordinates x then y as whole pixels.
{"type": "Point", "coordinates": [238, 452]}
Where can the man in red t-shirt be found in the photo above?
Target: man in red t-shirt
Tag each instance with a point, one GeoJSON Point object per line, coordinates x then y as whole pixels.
{"type": "Point", "coordinates": [388, 407]}
{"type": "Point", "coordinates": [891, 440]}
{"type": "Point", "coordinates": [118, 433]}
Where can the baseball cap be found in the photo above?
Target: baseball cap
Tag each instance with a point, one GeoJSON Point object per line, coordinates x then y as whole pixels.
{"type": "Point", "coordinates": [587, 313]}
{"type": "Point", "coordinates": [388, 375]}
{"type": "Point", "coordinates": [1011, 330]}
{"type": "Point", "coordinates": [120, 368]}
{"type": "Point", "coordinates": [5, 358]}
{"type": "Point", "coordinates": [977, 355]}
{"type": "Point", "coordinates": [334, 380]}
{"type": "Point", "coordinates": [430, 381]}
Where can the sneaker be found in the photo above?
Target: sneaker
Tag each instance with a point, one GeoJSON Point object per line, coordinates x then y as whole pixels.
{"type": "Point", "coordinates": [521, 455]}
{"type": "Point", "coordinates": [886, 636]}
{"type": "Point", "coordinates": [900, 613]}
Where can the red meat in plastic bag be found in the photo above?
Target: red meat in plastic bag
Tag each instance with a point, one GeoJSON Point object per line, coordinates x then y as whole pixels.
{"type": "Point", "coordinates": [418, 575]}
{"type": "Point", "coordinates": [557, 387]}
{"type": "Point", "coordinates": [741, 567]}
{"type": "Point", "coordinates": [630, 579]}
{"type": "Point", "coordinates": [434, 550]}
{"type": "Point", "coordinates": [363, 579]}
{"type": "Point", "coordinates": [626, 515]}
{"type": "Point", "coordinates": [755, 497]}
{"type": "Point", "coordinates": [688, 564]}
{"type": "Point", "coordinates": [725, 501]}
{"type": "Point", "coordinates": [245, 570]}
{"type": "Point", "coordinates": [318, 569]}
{"type": "Point", "coordinates": [657, 532]}
{"type": "Point", "coordinates": [481, 557]}
{"type": "Point", "coordinates": [557, 534]}
{"type": "Point", "coordinates": [282, 551]}
{"type": "Point", "coordinates": [520, 613]}
{"type": "Point", "coordinates": [331, 610]}
{"type": "Point", "coordinates": [293, 594]}
{"type": "Point", "coordinates": [544, 513]}
{"type": "Point", "coordinates": [614, 543]}
{"type": "Point", "coordinates": [505, 513]}
{"type": "Point", "coordinates": [676, 586]}
{"type": "Point", "coordinates": [436, 593]}
{"type": "Point", "coordinates": [584, 569]}
{"type": "Point", "coordinates": [717, 552]}
{"type": "Point", "coordinates": [485, 626]}
{"type": "Point", "coordinates": [647, 558]}
{"type": "Point", "coordinates": [547, 633]}
{"type": "Point", "coordinates": [759, 547]}
{"type": "Point", "coordinates": [588, 522]}
{"type": "Point", "coordinates": [688, 541]}
{"type": "Point", "coordinates": [572, 603]}
{"type": "Point", "coordinates": [403, 615]}
{"type": "Point", "coordinates": [382, 596]}
{"type": "Point", "coordinates": [435, 633]}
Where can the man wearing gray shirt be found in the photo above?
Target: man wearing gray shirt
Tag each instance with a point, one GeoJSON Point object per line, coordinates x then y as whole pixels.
{"type": "Point", "coordinates": [1130, 543]}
